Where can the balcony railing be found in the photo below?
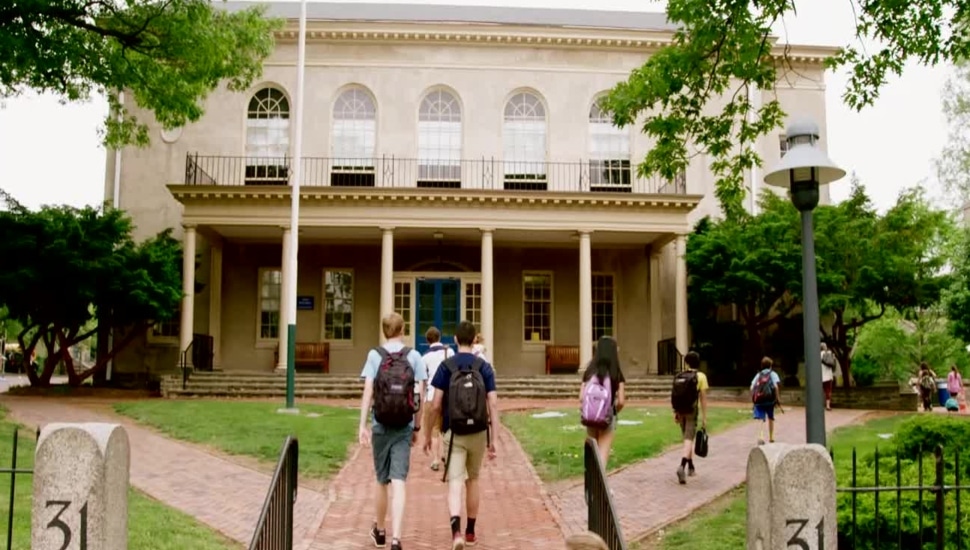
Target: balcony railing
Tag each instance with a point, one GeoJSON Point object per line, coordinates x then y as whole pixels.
{"type": "Point", "coordinates": [615, 176]}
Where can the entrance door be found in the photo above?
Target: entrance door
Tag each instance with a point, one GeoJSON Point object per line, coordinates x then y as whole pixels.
{"type": "Point", "coordinates": [438, 305]}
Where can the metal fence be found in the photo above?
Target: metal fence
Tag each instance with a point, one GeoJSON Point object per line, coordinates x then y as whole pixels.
{"type": "Point", "coordinates": [274, 531]}
{"type": "Point", "coordinates": [904, 516]}
{"type": "Point", "coordinates": [669, 359]}
{"type": "Point", "coordinates": [602, 518]}
{"type": "Point", "coordinates": [13, 471]}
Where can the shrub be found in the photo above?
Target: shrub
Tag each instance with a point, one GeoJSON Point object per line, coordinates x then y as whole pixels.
{"type": "Point", "coordinates": [926, 431]}
{"type": "Point", "coordinates": [865, 370]}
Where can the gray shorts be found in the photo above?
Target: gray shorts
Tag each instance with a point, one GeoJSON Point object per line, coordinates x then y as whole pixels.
{"type": "Point", "coordinates": [688, 426]}
{"type": "Point", "coordinates": [392, 452]}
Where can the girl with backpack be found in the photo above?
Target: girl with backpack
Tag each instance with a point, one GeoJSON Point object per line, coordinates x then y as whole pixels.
{"type": "Point", "coordinates": [602, 395]}
{"type": "Point", "coordinates": [927, 385]}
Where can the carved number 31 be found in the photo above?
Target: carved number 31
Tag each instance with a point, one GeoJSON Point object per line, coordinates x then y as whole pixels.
{"type": "Point", "coordinates": [798, 541]}
{"type": "Point", "coordinates": [58, 523]}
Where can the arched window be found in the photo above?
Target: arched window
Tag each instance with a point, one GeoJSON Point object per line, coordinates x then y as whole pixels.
{"type": "Point", "coordinates": [267, 138]}
{"type": "Point", "coordinates": [439, 141]}
{"type": "Point", "coordinates": [609, 152]}
{"type": "Point", "coordinates": [524, 138]}
{"type": "Point", "coordinates": [354, 139]}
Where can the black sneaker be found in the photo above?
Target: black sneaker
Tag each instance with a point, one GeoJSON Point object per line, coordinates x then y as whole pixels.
{"type": "Point", "coordinates": [379, 537]}
{"type": "Point", "coordinates": [691, 472]}
{"type": "Point", "coordinates": [681, 476]}
{"type": "Point", "coordinates": [395, 545]}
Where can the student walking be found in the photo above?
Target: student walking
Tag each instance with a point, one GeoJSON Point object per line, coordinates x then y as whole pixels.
{"type": "Point", "coordinates": [689, 400]}
{"type": "Point", "coordinates": [393, 375]}
{"type": "Point", "coordinates": [465, 397]}
{"type": "Point", "coordinates": [437, 352]}
{"type": "Point", "coordinates": [829, 363]}
{"type": "Point", "coordinates": [926, 379]}
{"type": "Point", "coordinates": [764, 395]}
{"type": "Point", "coordinates": [602, 396]}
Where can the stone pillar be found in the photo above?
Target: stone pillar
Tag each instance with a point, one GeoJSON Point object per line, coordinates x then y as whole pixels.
{"type": "Point", "coordinates": [284, 311]}
{"type": "Point", "coordinates": [488, 296]}
{"type": "Point", "coordinates": [188, 291]}
{"type": "Point", "coordinates": [680, 295]}
{"type": "Point", "coordinates": [387, 275]}
{"type": "Point", "coordinates": [215, 300]}
{"type": "Point", "coordinates": [791, 498]}
{"type": "Point", "coordinates": [81, 488]}
{"type": "Point", "coordinates": [655, 329]}
{"type": "Point", "coordinates": [585, 300]}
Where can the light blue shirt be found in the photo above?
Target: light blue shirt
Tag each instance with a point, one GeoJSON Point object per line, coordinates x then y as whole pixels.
{"type": "Point", "coordinates": [774, 379]}
{"type": "Point", "coordinates": [373, 363]}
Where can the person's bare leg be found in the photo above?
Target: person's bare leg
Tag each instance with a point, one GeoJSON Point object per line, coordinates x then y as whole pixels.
{"type": "Point", "coordinates": [381, 511]}
{"type": "Point", "coordinates": [397, 507]}
{"type": "Point", "coordinates": [436, 449]}
{"type": "Point", "coordinates": [455, 487]}
{"type": "Point", "coordinates": [604, 442]}
{"type": "Point", "coordinates": [771, 429]}
{"type": "Point", "coordinates": [472, 497]}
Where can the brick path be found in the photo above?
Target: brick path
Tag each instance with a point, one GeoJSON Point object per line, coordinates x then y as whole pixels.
{"type": "Point", "coordinates": [648, 496]}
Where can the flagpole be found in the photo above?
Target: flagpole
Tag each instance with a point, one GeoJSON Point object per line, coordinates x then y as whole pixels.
{"type": "Point", "coordinates": [296, 179]}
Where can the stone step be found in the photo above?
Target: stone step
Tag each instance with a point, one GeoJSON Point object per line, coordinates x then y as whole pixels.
{"type": "Point", "coordinates": [346, 394]}
{"type": "Point", "coordinates": [570, 385]}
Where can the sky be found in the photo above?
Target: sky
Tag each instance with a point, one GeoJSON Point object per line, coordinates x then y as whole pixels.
{"type": "Point", "coordinates": [50, 153]}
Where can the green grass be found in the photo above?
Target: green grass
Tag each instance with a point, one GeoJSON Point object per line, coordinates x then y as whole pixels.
{"type": "Point", "coordinates": [254, 429]}
{"type": "Point", "coordinates": [151, 524]}
{"type": "Point", "coordinates": [555, 445]}
{"type": "Point", "coordinates": [723, 526]}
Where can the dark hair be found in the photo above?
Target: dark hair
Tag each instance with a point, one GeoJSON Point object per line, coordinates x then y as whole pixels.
{"type": "Point", "coordinates": [465, 334]}
{"type": "Point", "coordinates": [954, 369]}
{"type": "Point", "coordinates": [766, 363]}
{"type": "Point", "coordinates": [606, 360]}
{"type": "Point", "coordinates": [433, 335]}
{"type": "Point", "coordinates": [692, 359]}
{"type": "Point", "coordinates": [924, 366]}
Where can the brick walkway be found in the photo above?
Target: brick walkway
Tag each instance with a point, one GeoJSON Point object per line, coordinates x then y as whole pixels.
{"type": "Point", "coordinates": [648, 496]}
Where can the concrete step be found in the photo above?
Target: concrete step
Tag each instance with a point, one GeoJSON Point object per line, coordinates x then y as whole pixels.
{"type": "Point", "coordinates": [345, 394]}
{"type": "Point", "coordinates": [551, 385]}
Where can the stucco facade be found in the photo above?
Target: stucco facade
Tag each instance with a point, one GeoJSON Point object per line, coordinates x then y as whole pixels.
{"type": "Point", "coordinates": [390, 214]}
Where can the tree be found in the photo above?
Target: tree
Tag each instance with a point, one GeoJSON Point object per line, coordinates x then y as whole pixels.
{"type": "Point", "coordinates": [723, 49]}
{"type": "Point", "coordinates": [68, 265]}
{"type": "Point", "coordinates": [167, 54]}
{"type": "Point", "coordinates": [953, 166]}
{"type": "Point", "coordinates": [957, 297]}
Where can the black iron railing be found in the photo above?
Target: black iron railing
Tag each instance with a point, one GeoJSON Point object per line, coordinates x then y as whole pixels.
{"type": "Point", "coordinates": [616, 176]}
{"type": "Point", "coordinates": [601, 514]}
{"type": "Point", "coordinates": [13, 472]}
{"type": "Point", "coordinates": [669, 359]}
{"type": "Point", "coordinates": [274, 531]}
{"type": "Point", "coordinates": [201, 350]}
{"type": "Point", "coordinates": [909, 515]}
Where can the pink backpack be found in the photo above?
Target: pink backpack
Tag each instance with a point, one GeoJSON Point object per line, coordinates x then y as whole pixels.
{"type": "Point", "coordinates": [597, 406]}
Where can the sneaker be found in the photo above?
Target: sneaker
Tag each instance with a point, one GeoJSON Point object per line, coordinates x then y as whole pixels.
{"type": "Point", "coordinates": [378, 536]}
{"type": "Point", "coordinates": [470, 539]}
{"type": "Point", "coordinates": [691, 471]}
{"type": "Point", "coordinates": [458, 543]}
{"type": "Point", "coordinates": [681, 475]}
{"type": "Point", "coordinates": [761, 441]}
{"type": "Point", "coordinates": [395, 545]}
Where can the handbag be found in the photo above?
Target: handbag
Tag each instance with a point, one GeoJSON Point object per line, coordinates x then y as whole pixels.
{"type": "Point", "coordinates": [700, 443]}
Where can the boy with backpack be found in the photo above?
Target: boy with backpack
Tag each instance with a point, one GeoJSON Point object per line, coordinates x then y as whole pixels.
{"type": "Point", "coordinates": [465, 397]}
{"type": "Point", "coordinates": [764, 395]}
{"type": "Point", "coordinates": [688, 398]}
{"type": "Point", "coordinates": [436, 354]}
{"type": "Point", "coordinates": [394, 378]}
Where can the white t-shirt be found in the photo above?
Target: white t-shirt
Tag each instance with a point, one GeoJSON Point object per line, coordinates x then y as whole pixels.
{"type": "Point", "coordinates": [828, 372]}
{"type": "Point", "coordinates": [432, 360]}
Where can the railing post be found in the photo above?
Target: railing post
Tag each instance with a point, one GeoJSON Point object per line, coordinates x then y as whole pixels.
{"type": "Point", "coordinates": [13, 488]}
{"type": "Point", "coordinates": [940, 505]}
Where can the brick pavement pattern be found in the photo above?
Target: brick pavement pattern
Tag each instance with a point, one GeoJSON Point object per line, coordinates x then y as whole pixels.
{"type": "Point", "coordinates": [224, 495]}
{"type": "Point", "coordinates": [648, 496]}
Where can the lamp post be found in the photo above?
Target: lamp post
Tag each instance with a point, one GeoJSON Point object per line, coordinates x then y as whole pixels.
{"type": "Point", "coordinates": [802, 170]}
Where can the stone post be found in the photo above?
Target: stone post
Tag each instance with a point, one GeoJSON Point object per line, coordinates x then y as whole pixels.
{"type": "Point", "coordinates": [81, 488]}
{"type": "Point", "coordinates": [791, 498]}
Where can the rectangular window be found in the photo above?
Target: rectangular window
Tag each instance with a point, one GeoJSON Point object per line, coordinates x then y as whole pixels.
{"type": "Point", "coordinates": [402, 303]}
{"type": "Point", "coordinates": [473, 304]}
{"type": "Point", "coordinates": [604, 304]}
{"type": "Point", "coordinates": [782, 144]}
{"type": "Point", "coordinates": [537, 307]}
{"type": "Point", "coordinates": [270, 283]}
{"type": "Point", "coordinates": [169, 329]}
{"type": "Point", "coordinates": [339, 309]}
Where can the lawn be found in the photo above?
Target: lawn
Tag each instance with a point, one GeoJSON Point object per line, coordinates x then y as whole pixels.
{"type": "Point", "coordinates": [151, 524]}
{"type": "Point", "coordinates": [723, 525]}
{"type": "Point", "coordinates": [555, 443]}
{"type": "Point", "coordinates": [254, 429]}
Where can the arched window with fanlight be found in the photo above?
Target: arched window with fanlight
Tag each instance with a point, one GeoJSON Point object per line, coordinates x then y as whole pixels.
{"type": "Point", "coordinates": [354, 139]}
{"type": "Point", "coordinates": [609, 153]}
{"type": "Point", "coordinates": [267, 138]}
{"type": "Point", "coordinates": [524, 143]}
{"type": "Point", "coordinates": [439, 141]}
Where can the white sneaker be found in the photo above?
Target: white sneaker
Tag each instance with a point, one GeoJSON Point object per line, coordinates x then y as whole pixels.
{"type": "Point", "coordinates": [458, 543]}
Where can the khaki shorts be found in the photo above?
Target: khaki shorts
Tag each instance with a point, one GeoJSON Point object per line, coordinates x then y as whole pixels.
{"type": "Point", "coordinates": [688, 426]}
{"type": "Point", "coordinates": [465, 455]}
{"type": "Point", "coordinates": [431, 421]}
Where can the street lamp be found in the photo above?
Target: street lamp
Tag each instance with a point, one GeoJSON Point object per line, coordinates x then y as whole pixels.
{"type": "Point", "coordinates": [803, 168]}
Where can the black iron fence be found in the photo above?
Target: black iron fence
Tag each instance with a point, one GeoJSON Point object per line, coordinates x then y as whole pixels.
{"type": "Point", "coordinates": [617, 176]}
{"type": "Point", "coordinates": [274, 531]}
{"type": "Point", "coordinates": [602, 518]}
{"type": "Point", "coordinates": [13, 471]}
{"type": "Point", "coordinates": [909, 514]}
{"type": "Point", "coordinates": [669, 359]}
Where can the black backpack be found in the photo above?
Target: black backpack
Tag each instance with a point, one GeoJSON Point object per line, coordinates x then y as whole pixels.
{"type": "Point", "coordinates": [684, 394]}
{"type": "Point", "coordinates": [467, 399]}
{"type": "Point", "coordinates": [394, 404]}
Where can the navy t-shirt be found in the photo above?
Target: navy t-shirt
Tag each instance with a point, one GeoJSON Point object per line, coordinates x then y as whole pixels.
{"type": "Point", "coordinates": [442, 381]}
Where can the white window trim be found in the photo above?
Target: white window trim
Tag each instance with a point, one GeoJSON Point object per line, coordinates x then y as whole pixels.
{"type": "Point", "coordinates": [552, 308]}
{"type": "Point", "coordinates": [615, 301]}
{"type": "Point", "coordinates": [265, 343]}
{"type": "Point", "coordinates": [353, 308]}
{"type": "Point", "coordinates": [410, 336]}
{"type": "Point", "coordinates": [154, 339]}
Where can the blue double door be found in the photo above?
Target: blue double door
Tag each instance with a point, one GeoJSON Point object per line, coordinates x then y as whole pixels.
{"type": "Point", "coordinates": [438, 305]}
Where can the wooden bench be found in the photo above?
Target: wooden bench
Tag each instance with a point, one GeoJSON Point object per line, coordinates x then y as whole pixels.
{"type": "Point", "coordinates": [562, 359]}
{"type": "Point", "coordinates": [311, 354]}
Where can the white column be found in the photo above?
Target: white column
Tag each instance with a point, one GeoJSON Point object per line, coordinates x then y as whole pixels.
{"type": "Point", "coordinates": [215, 301]}
{"type": "Point", "coordinates": [585, 300]}
{"type": "Point", "coordinates": [387, 274]}
{"type": "Point", "coordinates": [188, 290]}
{"type": "Point", "coordinates": [488, 296]}
{"type": "Point", "coordinates": [656, 311]}
{"type": "Point", "coordinates": [680, 294]}
{"type": "Point", "coordinates": [284, 296]}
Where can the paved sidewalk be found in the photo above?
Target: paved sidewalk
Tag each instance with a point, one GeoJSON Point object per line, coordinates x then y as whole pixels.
{"type": "Point", "coordinates": [648, 496]}
{"type": "Point", "coordinates": [224, 495]}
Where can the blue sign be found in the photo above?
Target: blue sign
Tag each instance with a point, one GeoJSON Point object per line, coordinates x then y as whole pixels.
{"type": "Point", "coordinates": [304, 303]}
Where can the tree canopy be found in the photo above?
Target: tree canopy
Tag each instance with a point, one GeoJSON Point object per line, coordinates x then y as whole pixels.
{"type": "Point", "coordinates": [168, 55]}
{"type": "Point", "coordinates": [691, 94]}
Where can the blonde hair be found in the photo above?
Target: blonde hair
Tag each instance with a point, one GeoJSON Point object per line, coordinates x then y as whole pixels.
{"type": "Point", "coordinates": [392, 325]}
{"type": "Point", "coordinates": [479, 339]}
{"type": "Point", "coordinates": [586, 541]}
